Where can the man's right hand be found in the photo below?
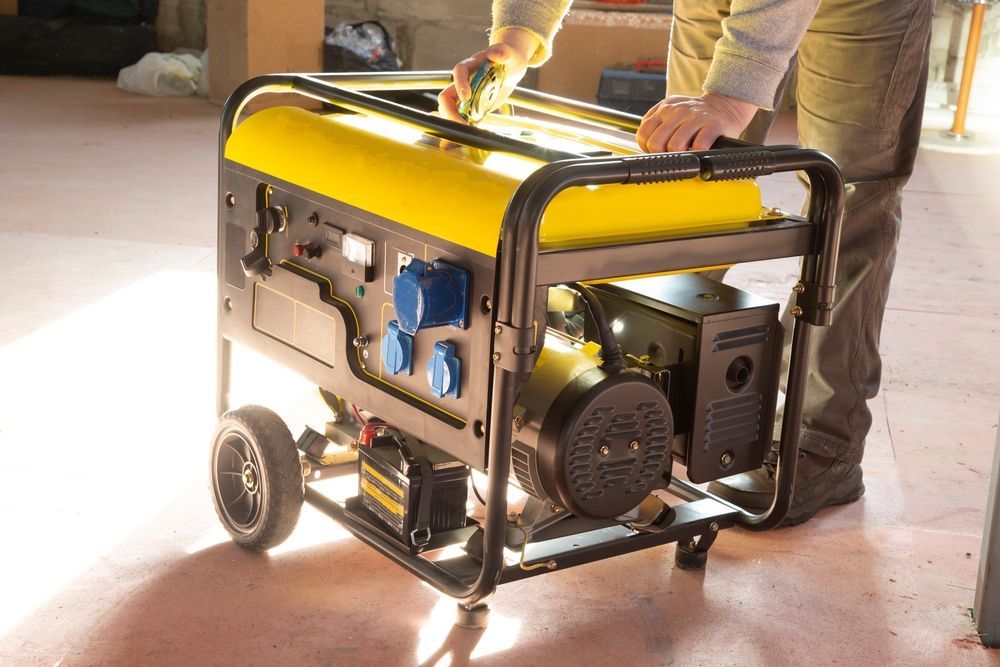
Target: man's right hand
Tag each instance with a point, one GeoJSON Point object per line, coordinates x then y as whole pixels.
{"type": "Point", "coordinates": [512, 47]}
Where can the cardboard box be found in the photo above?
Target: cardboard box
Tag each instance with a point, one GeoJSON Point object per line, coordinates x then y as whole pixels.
{"type": "Point", "coordinates": [247, 38]}
{"type": "Point", "coordinates": [592, 41]}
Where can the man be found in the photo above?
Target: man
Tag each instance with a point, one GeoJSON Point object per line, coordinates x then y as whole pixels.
{"type": "Point", "coordinates": [862, 71]}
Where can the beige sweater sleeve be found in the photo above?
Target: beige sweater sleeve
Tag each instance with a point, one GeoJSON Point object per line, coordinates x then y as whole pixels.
{"type": "Point", "coordinates": [542, 18]}
{"type": "Point", "coordinates": [758, 40]}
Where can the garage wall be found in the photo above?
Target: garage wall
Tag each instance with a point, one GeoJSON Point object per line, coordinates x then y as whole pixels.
{"type": "Point", "coordinates": [181, 24]}
{"type": "Point", "coordinates": [435, 34]}
{"type": "Point", "coordinates": [431, 34]}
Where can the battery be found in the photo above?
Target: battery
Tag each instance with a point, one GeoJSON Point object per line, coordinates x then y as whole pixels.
{"type": "Point", "coordinates": [393, 475]}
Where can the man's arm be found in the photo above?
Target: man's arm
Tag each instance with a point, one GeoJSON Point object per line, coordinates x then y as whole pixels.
{"type": "Point", "coordinates": [541, 18]}
{"type": "Point", "coordinates": [758, 40]}
{"type": "Point", "coordinates": [749, 61]}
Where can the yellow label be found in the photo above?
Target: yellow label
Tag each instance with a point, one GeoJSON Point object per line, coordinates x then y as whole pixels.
{"type": "Point", "coordinates": [385, 501]}
{"type": "Point", "coordinates": [382, 478]}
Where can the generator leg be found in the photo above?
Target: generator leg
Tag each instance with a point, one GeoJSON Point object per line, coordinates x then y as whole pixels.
{"type": "Point", "coordinates": [474, 617]}
{"type": "Point", "coordinates": [224, 352]}
{"type": "Point", "coordinates": [693, 555]}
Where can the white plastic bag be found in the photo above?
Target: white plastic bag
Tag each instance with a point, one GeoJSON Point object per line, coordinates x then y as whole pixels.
{"type": "Point", "coordinates": [162, 74]}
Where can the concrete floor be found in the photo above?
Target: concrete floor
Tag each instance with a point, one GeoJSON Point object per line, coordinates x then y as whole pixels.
{"type": "Point", "coordinates": [112, 553]}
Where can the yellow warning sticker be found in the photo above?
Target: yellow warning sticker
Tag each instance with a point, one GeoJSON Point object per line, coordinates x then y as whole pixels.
{"type": "Point", "coordinates": [382, 478]}
{"type": "Point", "coordinates": [376, 494]}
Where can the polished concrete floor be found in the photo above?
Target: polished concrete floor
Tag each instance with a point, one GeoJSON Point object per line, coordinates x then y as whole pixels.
{"type": "Point", "coordinates": [111, 552]}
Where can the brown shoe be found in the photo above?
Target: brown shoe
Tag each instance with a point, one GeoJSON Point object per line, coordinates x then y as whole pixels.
{"type": "Point", "coordinates": [819, 482]}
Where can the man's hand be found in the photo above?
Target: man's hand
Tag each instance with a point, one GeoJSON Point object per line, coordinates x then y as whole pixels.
{"type": "Point", "coordinates": [681, 123]}
{"type": "Point", "coordinates": [512, 47]}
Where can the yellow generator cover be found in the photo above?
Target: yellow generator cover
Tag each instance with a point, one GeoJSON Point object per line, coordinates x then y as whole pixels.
{"type": "Point", "coordinates": [460, 193]}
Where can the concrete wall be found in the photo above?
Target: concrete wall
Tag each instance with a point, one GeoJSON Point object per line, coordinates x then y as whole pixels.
{"type": "Point", "coordinates": [430, 34]}
{"type": "Point", "coordinates": [181, 24]}
{"type": "Point", "coordinates": [435, 34]}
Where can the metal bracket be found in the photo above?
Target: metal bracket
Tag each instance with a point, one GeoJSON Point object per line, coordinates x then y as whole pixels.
{"type": "Point", "coordinates": [513, 348]}
{"type": "Point", "coordinates": [815, 303]}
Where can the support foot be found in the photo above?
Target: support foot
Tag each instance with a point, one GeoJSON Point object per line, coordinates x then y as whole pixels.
{"type": "Point", "coordinates": [475, 617]}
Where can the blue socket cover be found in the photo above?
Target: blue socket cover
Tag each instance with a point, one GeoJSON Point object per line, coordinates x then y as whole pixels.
{"type": "Point", "coordinates": [444, 371]}
{"type": "Point", "coordinates": [397, 350]}
{"type": "Point", "coordinates": [430, 294]}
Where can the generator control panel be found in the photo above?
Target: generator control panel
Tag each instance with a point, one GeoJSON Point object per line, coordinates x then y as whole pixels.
{"type": "Point", "coordinates": [356, 302]}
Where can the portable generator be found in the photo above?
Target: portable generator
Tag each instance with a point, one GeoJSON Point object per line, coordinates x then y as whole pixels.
{"type": "Point", "coordinates": [524, 298]}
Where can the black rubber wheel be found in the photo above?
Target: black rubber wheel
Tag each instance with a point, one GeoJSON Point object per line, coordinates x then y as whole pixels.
{"type": "Point", "coordinates": [690, 559]}
{"type": "Point", "coordinates": [257, 480]}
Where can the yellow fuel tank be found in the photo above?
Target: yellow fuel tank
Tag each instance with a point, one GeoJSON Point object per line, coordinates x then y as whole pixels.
{"type": "Point", "coordinates": [460, 193]}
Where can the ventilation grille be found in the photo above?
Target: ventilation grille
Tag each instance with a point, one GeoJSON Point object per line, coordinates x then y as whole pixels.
{"type": "Point", "coordinates": [733, 421]}
{"type": "Point", "coordinates": [728, 340]}
{"type": "Point", "coordinates": [520, 460]}
{"type": "Point", "coordinates": [591, 475]}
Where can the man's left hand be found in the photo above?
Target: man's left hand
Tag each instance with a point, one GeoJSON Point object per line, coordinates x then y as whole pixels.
{"type": "Point", "coordinates": [681, 123]}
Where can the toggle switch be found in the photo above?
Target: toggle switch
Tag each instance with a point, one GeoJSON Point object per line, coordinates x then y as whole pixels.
{"type": "Point", "coordinates": [308, 250]}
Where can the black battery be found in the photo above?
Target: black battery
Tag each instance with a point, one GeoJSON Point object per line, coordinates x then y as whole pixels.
{"type": "Point", "coordinates": [393, 475]}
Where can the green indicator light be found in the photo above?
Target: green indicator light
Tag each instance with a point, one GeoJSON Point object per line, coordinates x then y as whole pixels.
{"type": "Point", "coordinates": [360, 291]}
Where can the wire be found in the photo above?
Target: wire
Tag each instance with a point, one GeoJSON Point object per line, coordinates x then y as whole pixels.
{"type": "Point", "coordinates": [548, 564]}
{"type": "Point", "coordinates": [611, 354]}
{"type": "Point", "coordinates": [479, 497]}
{"type": "Point", "coordinates": [357, 413]}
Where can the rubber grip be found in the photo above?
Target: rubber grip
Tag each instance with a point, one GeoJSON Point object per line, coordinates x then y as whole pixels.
{"type": "Point", "coordinates": [734, 165]}
{"type": "Point", "coordinates": [661, 167]}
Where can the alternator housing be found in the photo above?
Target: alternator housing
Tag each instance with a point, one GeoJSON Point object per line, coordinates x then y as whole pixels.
{"type": "Point", "coordinates": [593, 442]}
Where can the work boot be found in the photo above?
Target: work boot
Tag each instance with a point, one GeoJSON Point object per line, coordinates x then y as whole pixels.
{"type": "Point", "coordinates": [819, 482]}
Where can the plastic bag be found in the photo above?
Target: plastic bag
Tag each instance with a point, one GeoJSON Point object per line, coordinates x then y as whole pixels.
{"type": "Point", "coordinates": [365, 45]}
{"type": "Point", "coordinates": [162, 74]}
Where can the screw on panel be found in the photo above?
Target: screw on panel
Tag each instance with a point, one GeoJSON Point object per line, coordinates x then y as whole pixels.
{"type": "Point", "coordinates": [361, 341]}
{"type": "Point", "coordinates": [726, 459]}
{"type": "Point", "coordinates": [496, 357]}
{"type": "Point", "coordinates": [799, 288]}
{"type": "Point", "coordinates": [714, 527]}
{"type": "Point", "coordinates": [313, 218]}
{"type": "Point", "coordinates": [797, 311]}
{"type": "Point", "coordinates": [230, 200]}
{"type": "Point", "coordinates": [518, 423]}
{"type": "Point", "coordinates": [363, 365]}
{"type": "Point", "coordinates": [605, 450]}
{"type": "Point", "coordinates": [634, 445]}
{"type": "Point", "coordinates": [498, 329]}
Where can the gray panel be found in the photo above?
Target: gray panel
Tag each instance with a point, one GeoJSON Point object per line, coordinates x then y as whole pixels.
{"type": "Point", "coordinates": [236, 247]}
{"type": "Point", "coordinates": [274, 313]}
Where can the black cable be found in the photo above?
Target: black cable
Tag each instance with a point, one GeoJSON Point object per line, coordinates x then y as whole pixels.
{"type": "Point", "coordinates": [476, 491]}
{"type": "Point", "coordinates": [611, 355]}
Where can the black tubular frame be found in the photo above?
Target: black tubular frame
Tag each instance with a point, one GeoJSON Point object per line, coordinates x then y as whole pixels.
{"type": "Point", "coordinates": [523, 265]}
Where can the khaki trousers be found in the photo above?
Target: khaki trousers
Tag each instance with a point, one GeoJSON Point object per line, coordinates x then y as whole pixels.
{"type": "Point", "coordinates": [862, 72]}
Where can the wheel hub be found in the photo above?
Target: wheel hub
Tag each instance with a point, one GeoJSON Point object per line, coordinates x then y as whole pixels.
{"type": "Point", "coordinates": [250, 477]}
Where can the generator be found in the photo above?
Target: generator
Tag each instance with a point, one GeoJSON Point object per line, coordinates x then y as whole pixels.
{"type": "Point", "coordinates": [527, 299]}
